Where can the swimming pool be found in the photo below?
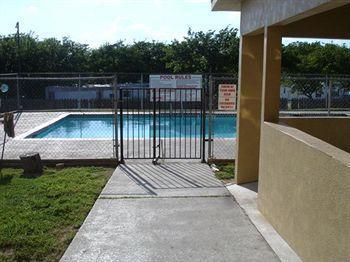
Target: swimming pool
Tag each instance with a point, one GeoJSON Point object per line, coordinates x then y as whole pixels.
{"type": "Point", "coordinates": [90, 126]}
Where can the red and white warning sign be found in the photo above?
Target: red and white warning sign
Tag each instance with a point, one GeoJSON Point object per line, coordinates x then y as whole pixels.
{"type": "Point", "coordinates": [227, 97]}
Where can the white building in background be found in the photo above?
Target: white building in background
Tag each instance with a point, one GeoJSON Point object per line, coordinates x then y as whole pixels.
{"type": "Point", "coordinates": [338, 92]}
{"type": "Point", "coordinates": [91, 91]}
{"type": "Point", "coordinates": [105, 91]}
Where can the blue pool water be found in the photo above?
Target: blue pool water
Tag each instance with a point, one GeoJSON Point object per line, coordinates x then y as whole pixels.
{"type": "Point", "coordinates": [102, 126]}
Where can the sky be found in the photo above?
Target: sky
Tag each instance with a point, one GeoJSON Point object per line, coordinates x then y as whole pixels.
{"type": "Point", "coordinates": [96, 22]}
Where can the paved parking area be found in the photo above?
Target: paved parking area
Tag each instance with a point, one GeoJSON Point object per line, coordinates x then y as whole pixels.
{"type": "Point", "coordinates": [171, 212]}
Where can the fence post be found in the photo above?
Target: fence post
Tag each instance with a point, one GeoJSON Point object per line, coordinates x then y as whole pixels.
{"type": "Point", "coordinates": [210, 104]}
{"type": "Point", "coordinates": [329, 96]}
{"type": "Point", "coordinates": [141, 83]}
{"type": "Point", "coordinates": [154, 126]}
{"type": "Point", "coordinates": [121, 126]}
{"type": "Point", "coordinates": [79, 92]}
{"type": "Point", "coordinates": [115, 100]}
{"type": "Point", "coordinates": [203, 98]}
{"type": "Point", "coordinates": [18, 93]}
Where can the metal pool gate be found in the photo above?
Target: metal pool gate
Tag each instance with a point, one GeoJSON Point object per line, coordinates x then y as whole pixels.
{"type": "Point", "coordinates": [162, 123]}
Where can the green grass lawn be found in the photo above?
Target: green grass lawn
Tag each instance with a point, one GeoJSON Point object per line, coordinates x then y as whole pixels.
{"type": "Point", "coordinates": [226, 172]}
{"type": "Point", "coordinates": [40, 216]}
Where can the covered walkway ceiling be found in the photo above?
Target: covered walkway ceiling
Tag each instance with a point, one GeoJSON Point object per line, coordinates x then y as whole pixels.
{"type": "Point", "coordinates": [333, 24]}
{"type": "Point", "coordinates": [311, 18]}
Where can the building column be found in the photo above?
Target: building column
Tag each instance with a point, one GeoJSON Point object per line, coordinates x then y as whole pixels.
{"type": "Point", "coordinates": [271, 74]}
{"type": "Point", "coordinates": [249, 108]}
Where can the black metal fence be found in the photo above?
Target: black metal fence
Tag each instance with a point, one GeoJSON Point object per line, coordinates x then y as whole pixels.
{"type": "Point", "coordinates": [162, 123]}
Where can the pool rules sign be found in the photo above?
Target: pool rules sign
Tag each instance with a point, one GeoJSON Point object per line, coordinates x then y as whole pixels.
{"type": "Point", "coordinates": [227, 97]}
{"type": "Point", "coordinates": [176, 88]}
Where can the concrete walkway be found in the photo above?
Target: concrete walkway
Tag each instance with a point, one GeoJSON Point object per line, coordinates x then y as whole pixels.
{"type": "Point", "coordinates": [171, 212]}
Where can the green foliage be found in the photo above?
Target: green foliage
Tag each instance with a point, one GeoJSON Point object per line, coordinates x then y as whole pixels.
{"type": "Point", "coordinates": [315, 58]}
{"type": "Point", "coordinates": [48, 55]}
{"type": "Point", "coordinates": [226, 171]}
{"type": "Point", "coordinates": [205, 52]}
{"type": "Point", "coordinates": [39, 217]}
{"type": "Point", "coordinates": [211, 51]}
{"type": "Point", "coordinates": [138, 57]}
{"type": "Point", "coordinates": [307, 87]}
{"type": "Point", "coordinates": [198, 52]}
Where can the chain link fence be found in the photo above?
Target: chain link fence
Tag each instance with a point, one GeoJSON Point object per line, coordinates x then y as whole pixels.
{"type": "Point", "coordinates": [73, 116]}
{"type": "Point", "coordinates": [60, 117]}
{"type": "Point", "coordinates": [221, 123]}
{"type": "Point", "coordinates": [300, 95]}
{"type": "Point", "coordinates": [319, 94]}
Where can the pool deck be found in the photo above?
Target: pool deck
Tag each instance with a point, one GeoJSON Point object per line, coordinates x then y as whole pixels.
{"type": "Point", "coordinates": [29, 122]}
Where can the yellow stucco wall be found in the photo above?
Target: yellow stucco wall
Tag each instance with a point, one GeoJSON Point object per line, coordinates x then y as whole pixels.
{"type": "Point", "coordinates": [249, 108]}
{"type": "Point", "coordinates": [333, 130]}
{"type": "Point", "coordinates": [304, 192]}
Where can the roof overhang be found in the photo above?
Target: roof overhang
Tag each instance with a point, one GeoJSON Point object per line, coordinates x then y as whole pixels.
{"type": "Point", "coordinates": [225, 5]}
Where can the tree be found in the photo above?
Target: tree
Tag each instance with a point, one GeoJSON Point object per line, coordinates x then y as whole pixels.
{"type": "Point", "coordinates": [198, 52]}
{"type": "Point", "coordinates": [313, 58]}
{"type": "Point", "coordinates": [48, 55]}
{"type": "Point", "coordinates": [304, 86]}
{"type": "Point", "coordinates": [212, 51]}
